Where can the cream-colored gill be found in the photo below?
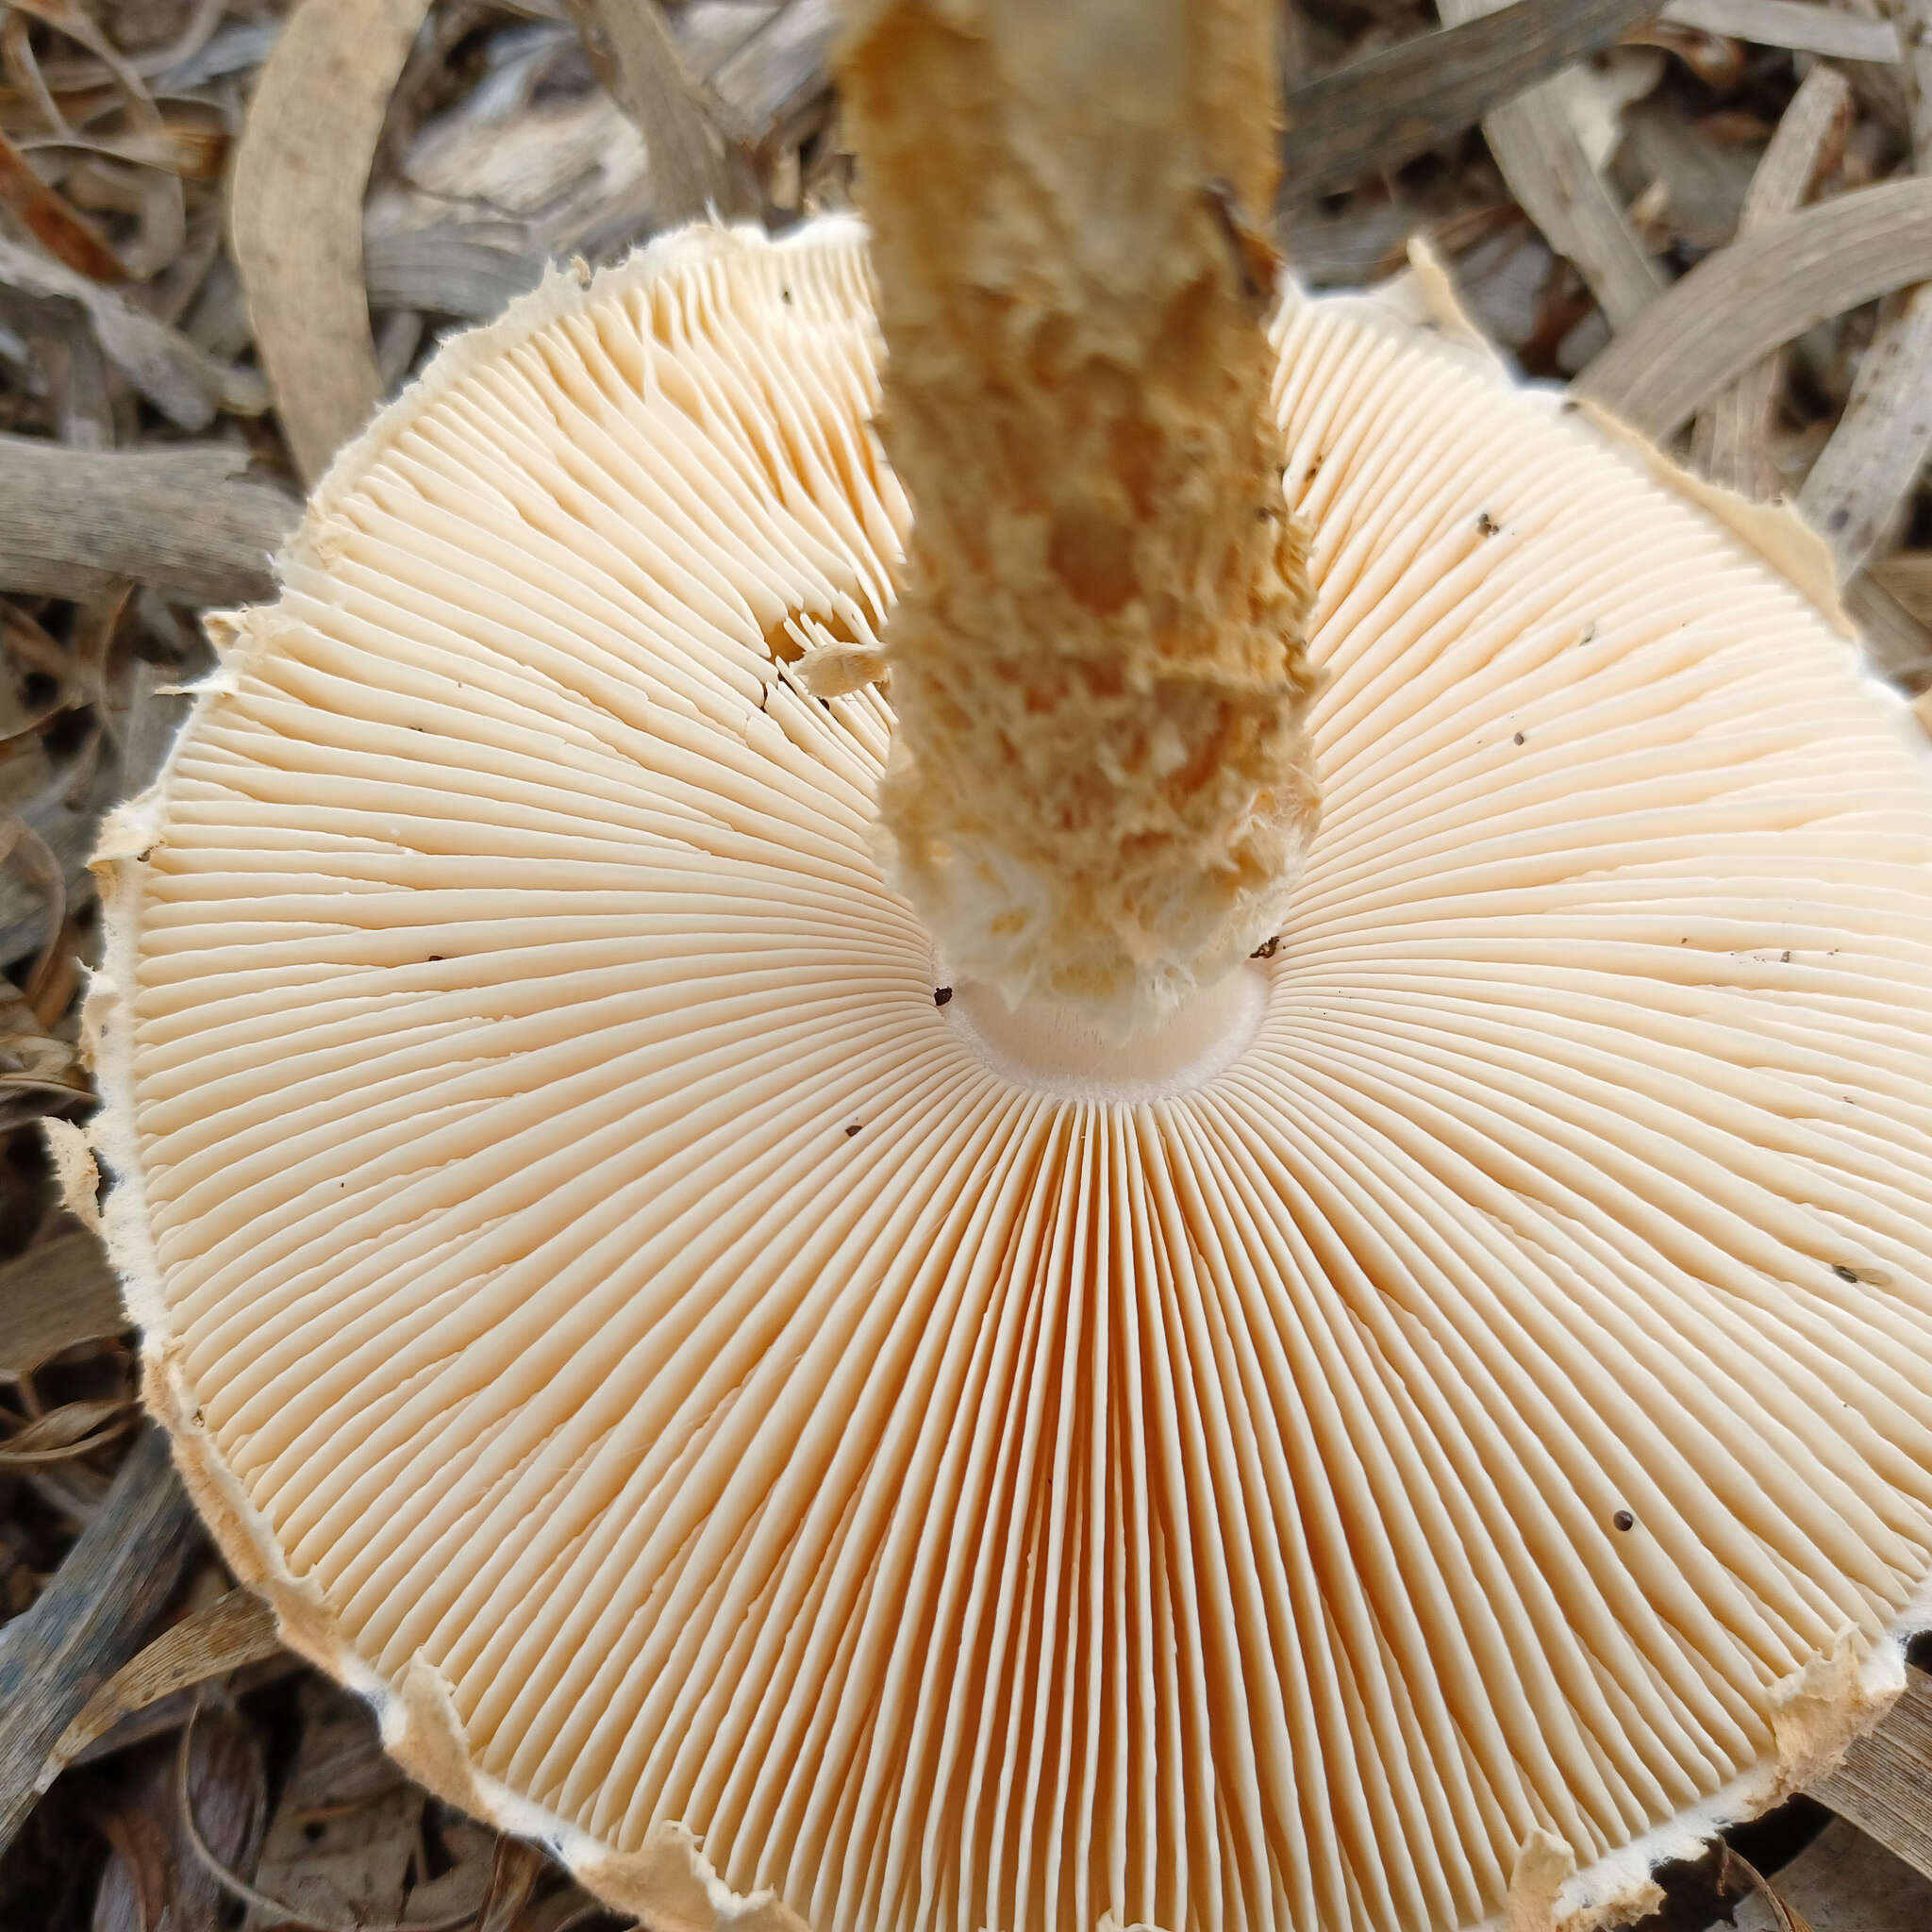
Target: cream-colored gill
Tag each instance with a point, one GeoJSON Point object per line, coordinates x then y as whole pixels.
{"type": "Point", "coordinates": [652, 1344]}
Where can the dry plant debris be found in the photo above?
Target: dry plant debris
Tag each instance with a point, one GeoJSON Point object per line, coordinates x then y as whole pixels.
{"type": "Point", "coordinates": [295, 213]}
{"type": "Point", "coordinates": [1400, 101]}
{"type": "Point", "coordinates": [694, 168]}
{"type": "Point", "coordinates": [209, 275]}
{"type": "Point", "coordinates": [1885, 1782]}
{"type": "Point", "coordinates": [1539, 145]}
{"type": "Point", "coordinates": [1735, 428]}
{"type": "Point", "coordinates": [1841, 1882]}
{"type": "Point", "coordinates": [113, 1581]}
{"type": "Point", "coordinates": [58, 1297]}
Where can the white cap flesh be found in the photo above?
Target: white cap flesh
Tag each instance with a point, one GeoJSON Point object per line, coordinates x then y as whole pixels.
{"type": "Point", "coordinates": [1465, 1424]}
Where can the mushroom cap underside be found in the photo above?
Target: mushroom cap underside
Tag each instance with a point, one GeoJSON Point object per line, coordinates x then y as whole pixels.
{"type": "Point", "coordinates": [1480, 1438]}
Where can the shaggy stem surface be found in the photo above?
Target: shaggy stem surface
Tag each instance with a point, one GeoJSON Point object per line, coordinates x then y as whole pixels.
{"type": "Point", "coordinates": [1100, 788]}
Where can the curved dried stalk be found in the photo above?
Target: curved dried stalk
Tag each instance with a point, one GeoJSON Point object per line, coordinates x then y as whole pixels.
{"type": "Point", "coordinates": [278, 1909]}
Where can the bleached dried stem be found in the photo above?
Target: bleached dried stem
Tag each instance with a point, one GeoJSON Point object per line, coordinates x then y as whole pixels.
{"type": "Point", "coordinates": [1099, 788]}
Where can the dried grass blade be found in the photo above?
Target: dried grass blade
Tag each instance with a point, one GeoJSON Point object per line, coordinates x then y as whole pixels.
{"type": "Point", "coordinates": [1908, 576]}
{"type": "Point", "coordinates": [514, 1877]}
{"type": "Point", "coordinates": [1858, 486]}
{"type": "Point", "coordinates": [1380, 111]}
{"type": "Point", "coordinates": [1786, 1917]}
{"type": "Point", "coordinates": [189, 522]}
{"type": "Point", "coordinates": [1542, 158]}
{"type": "Point", "coordinates": [88, 1620]}
{"type": "Point", "coordinates": [762, 81]}
{"type": "Point", "coordinates": [60, 228]}
{"type": "Point", "coordinates": [164, 210]}
{"type": "Point", "coordinates": [1863, 476]}
{"type": "Point", "coordinates": [74, 1429]}
{"type": "Point", "coordinates": [1912, 20]}
{"type": "Point", "coordinates": [66, 17]}
{"type": "Point", "coordinates": [177, 377]}
{"type": "Point", "coordinates": [39, 1072]}
{"type": "Point", "coordinates": [55, 1297]}
{"type": "Point", "coordinates": [192, 152]}
{"type": "Point", "coordinates": [691, 164]}
{"type": "Point", "coordinates": [295, 213]}
{"type": "Point", "coordinates": [1734, 433]}
{"type": "Point", "coordinates": [195, 35]}
{"type": "Point", "coordinates": [235, 1630]}
{"type": "Point", "coordinates": [23, 70]}
{"type": "Point", "coordinates": [1802, 26]}
{"type": "Point", "coordinates": [28, 853]}
{"type": "Point", "coordinates": [279, 1914]}
{"type": "Point", "coordinates": [1744, 301]}
{"type": "Point", "coordinates": [69, 1422]}
{"type": "Point", "coordinates": [27, 648]}
{"type": "Point", "coordinates": [446, 269]}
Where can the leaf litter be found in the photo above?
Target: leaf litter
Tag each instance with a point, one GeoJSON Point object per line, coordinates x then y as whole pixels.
{"type": "Point", "coordinates": [228, 227]}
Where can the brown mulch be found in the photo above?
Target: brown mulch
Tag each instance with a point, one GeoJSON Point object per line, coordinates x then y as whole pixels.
{"type": "Point", "coordinates": [1712, 219]}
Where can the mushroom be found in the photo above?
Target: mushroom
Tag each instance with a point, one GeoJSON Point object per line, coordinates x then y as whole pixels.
{"type": "Point", "coordinates": [1380, 1395]}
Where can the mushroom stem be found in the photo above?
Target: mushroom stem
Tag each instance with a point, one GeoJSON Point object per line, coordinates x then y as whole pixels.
{"type": "Point", "coordinates": [1100, 787]}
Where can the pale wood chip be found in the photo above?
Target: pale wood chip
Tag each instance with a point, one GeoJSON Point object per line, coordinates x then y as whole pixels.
{"type": "Point", "coordinates": [88, 1620]}
{"type": "Point", "coordinates": [1803, 25]}
{"type": "Point", "coordinates": [295, 213]}
{"type": "Point", "coordinates": [1733, 436]}
{"type": "Point", "coordinates": [1744, 301]}
{"type": "Point", "coordinates": [1536, 146]}
{"type": "Point", "coordinates": [559, 169]}
{"type": "Point", "coordinates": [1380, 111]}
{"type": "Point", "coordinates": [836, 669]}
{"type": "Point", "coordinates": [189, 522]}
{"type": "Point", "coordinates": [1884, 1782]}
{"type": "Point", "coordinates": [693, 171]}
{"type": "Point", "coordinates": [54, 1296]}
